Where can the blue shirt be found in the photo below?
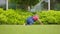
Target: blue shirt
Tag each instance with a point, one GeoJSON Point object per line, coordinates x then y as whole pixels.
{"type": "Point", "coordinates": [30, 20]}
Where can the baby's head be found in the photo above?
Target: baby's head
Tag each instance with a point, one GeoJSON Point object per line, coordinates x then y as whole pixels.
{"type": "Point", "coordinates": [35, 16]}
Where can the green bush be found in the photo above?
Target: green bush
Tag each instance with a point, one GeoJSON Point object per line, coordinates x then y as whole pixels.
{"type": "Point", "coordinates": [13, 16]}
{"type": "Point", "coordinates": [18, 17]}
{"type": "Point", "coordinates": [50, 17]}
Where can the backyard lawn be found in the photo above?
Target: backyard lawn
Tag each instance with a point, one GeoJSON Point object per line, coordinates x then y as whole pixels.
{"type": "Point", "coordinates": [32, 29]}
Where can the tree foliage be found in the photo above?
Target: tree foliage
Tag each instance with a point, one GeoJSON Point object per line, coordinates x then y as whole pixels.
{"type": "Point", "coordinates": [26, 3]}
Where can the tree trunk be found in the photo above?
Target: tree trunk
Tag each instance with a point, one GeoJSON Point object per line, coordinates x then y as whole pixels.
{"type": "Point", "coordinates": [52, 4]}
{"type": "Point", "coordinates": [26, 7]}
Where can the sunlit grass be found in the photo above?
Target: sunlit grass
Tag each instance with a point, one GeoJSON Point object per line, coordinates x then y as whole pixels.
{"type": "Point", "coordinates": [31, 29]}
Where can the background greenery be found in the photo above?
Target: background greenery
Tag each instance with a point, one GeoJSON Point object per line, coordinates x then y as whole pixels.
{"type": "Point", "coordinates": [18, 17]}
{"type": "Point", "coordinates": [24, 3]}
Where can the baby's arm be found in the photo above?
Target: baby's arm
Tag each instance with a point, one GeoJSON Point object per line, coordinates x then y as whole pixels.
{"type": "Point", "coordinates": [40, 22]}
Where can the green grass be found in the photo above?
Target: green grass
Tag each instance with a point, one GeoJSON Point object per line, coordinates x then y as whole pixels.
{"type": "Point", "coordinates": [32, 29]}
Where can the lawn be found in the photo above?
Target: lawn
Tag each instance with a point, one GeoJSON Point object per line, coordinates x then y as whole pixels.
{"type": "Point", "coordinates": [32, 29]}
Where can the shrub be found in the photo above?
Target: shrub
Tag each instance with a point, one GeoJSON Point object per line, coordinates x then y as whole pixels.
{"type": "Point", "coordinates": [13, 16]}
{"type": "Point", "coordinates": [50, 17]}
{"type": "Point", "coordinates": [18, 17]}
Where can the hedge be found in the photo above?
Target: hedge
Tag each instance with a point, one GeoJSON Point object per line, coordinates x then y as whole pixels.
{"type": "Point", "coordinates": [50, 17]}
{"type": "Point", "coordinates": [13, 16]}
{"type": "Point", "coordinates": [18, 17]}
